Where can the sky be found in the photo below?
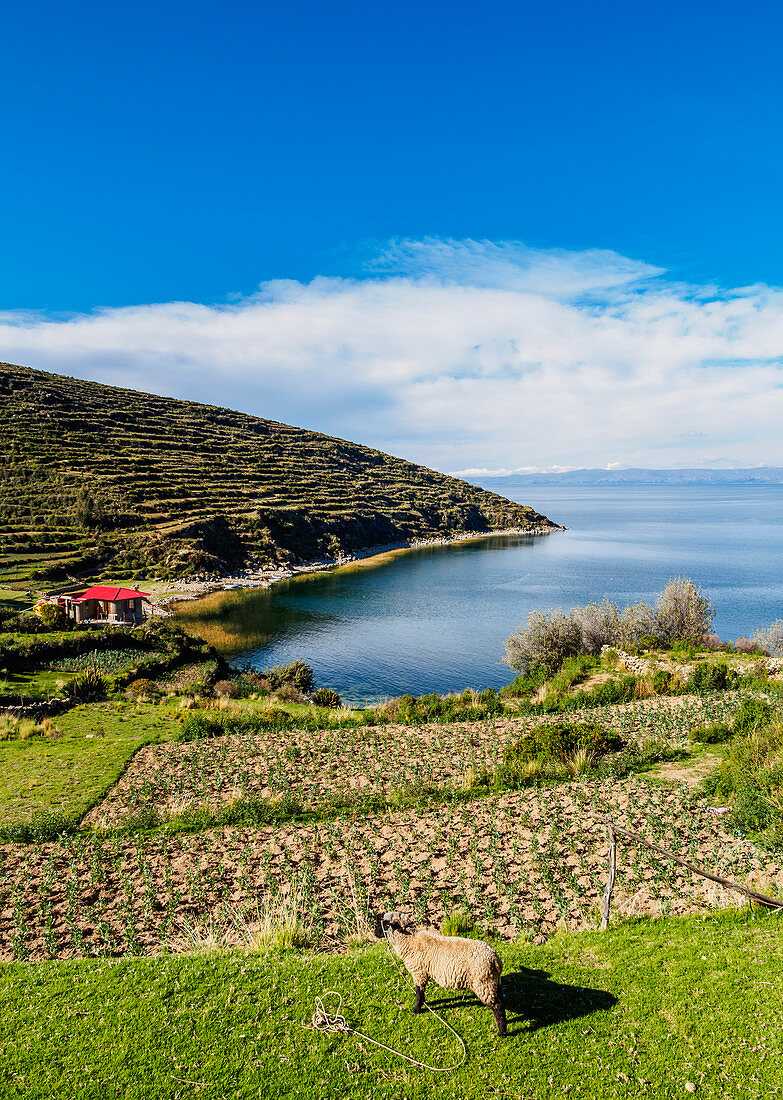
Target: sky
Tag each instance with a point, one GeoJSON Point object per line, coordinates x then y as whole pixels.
{"type": "Point", "coordinates": [484, 237]}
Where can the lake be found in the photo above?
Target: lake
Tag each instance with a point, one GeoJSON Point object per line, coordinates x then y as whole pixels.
{"type": "Point", "coordinates": [434, 619]}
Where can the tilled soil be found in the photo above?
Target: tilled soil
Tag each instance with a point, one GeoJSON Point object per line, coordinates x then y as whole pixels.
{"type": "Point", "coordinates": [312, 766]}
{"type": "Point", "coordinates": [533, 859]}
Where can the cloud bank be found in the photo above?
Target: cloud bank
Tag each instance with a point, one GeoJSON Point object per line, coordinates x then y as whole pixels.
{"type": "Point", "coordinates": [463, 355]}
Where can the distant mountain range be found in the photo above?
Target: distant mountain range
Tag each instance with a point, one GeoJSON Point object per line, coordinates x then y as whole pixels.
{"type": "Point", "coordinates": [758, 475]}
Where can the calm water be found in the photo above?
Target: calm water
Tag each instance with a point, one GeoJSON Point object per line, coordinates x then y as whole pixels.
{"type": "Point", "coordinates": [435, 619]}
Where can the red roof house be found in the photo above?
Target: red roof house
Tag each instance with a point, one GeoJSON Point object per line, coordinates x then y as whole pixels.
{"type": "Point", "coordinates": [106, 603]}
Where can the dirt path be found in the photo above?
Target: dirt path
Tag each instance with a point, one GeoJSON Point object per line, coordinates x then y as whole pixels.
{"type": "Point", "coordinates": [691, 771]}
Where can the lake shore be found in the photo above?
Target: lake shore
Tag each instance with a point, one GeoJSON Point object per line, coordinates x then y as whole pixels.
{"type": "Point", "coordinates": [187, 590]}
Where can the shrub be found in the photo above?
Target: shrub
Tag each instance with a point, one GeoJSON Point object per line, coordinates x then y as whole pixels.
{"type": "Point", "coordinates": [710, 677]}
{"type": "Point", "coordinates": [711, 735]}
{"type": "Point", "coordinates": [682, 612]}
{"type": "Point", "coordinates": [227, 689]}
{"type": "Point", "coordinates": [751, 776]}
{"type": "Point", "coordinates": [560, 741]}
{"type": "Point", "coordinates": [90, 685]}
{"type": "Point", "coordinates": [745, 645]}
{"type": "Point", "coordinates": [571, 672]}
{"type": "Point", "coordinates": [326, 697]}
{"type": "Point", "coordinates": [547, 640]}
{"type": "Point", "coordinates": [752, 715]}
{"type": "Point", "coordinates": [298, 674]}
{"type": "Point", "coordinates": [608, 693]}
{"type": "Point", "coordinates": [636, 627]}
{"type": "Point", "coordinates": [598, 624]}
{"type": "Point", "coordinates": [524, 685]}
{"type": "Point", "coordinates": [770, 639]}
{"type": "Point", "coordinates": [52, 615]}
{"type": "Point", "coordinates": [141, 688]}
{"type": "Point", "coordinates": [661, 682]}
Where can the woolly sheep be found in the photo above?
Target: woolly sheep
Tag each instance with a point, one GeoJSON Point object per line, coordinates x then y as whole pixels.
{"type": "Point", "coordinates": [450, 961]}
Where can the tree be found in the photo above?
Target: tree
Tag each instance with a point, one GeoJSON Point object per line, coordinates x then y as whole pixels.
{"type": "Point", "coordinates": [51, 614]}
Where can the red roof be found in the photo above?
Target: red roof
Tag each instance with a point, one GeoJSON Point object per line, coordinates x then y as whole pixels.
{"type": "Point", "coordinates": [100, 592]}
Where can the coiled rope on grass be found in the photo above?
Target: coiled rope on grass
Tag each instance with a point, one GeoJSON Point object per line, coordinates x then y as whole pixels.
{"type": "Point", "coordinates": [335, 1021]}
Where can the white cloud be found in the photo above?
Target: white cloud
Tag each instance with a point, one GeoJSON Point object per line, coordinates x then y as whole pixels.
{"type": "Point", "coordinates": [456, 354]}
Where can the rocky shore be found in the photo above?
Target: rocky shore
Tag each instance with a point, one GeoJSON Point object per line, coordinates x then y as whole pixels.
{"type": "Point", "coordinates": [194, 588]}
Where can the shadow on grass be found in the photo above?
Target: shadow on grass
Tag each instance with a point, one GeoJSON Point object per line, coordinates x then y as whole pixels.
{"type": "Point", "coordinates": [534, 1001]}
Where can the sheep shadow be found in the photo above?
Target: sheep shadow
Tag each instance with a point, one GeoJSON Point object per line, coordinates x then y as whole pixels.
{"type": "Point", "coordinates": [533, 1001]}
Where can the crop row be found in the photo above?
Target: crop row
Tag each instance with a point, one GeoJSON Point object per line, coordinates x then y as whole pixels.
{"type": "Point", "coordinates": [311, 767]}
{"type": "Point", "coordinates": [521, 863]}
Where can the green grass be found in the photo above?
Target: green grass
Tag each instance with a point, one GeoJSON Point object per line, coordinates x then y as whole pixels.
{"type": "Point", "coordinates": [11, 599]}
{"type": "Point", "coordinates": [639, 1011]}
{"type": "Point", "coordinates": [43, 683]}
{"type": "Point", "coordinates": [65, 775]}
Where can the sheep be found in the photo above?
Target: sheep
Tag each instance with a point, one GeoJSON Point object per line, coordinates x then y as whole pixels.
{"type": "Point", "coordinates": [450, 961]}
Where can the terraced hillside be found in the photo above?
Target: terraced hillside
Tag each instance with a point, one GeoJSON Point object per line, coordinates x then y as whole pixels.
{"type": "Point", "coordinates": [94, 475]}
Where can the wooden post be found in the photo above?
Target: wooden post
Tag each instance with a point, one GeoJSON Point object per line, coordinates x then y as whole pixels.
{"type": "Point", "coordinates": [610, 879]}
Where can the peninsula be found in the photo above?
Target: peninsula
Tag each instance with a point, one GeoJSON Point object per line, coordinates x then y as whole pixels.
{"type": "Point", "coordinates": [98, 478]}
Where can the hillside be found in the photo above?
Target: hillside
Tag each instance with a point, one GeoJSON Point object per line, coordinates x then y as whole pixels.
{"type": "Point", "coordinates": [94, 474]}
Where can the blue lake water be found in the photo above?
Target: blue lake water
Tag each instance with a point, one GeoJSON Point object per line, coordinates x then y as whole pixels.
{"type": "Point", "coordinates": [434, 619]}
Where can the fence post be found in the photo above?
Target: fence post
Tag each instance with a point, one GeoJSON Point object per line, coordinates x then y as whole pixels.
{"type": "Point", "coordinates": [610, 879]}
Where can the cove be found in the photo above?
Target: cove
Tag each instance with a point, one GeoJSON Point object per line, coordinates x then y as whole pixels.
{"type": "Point", "coordinates": [434, 618]}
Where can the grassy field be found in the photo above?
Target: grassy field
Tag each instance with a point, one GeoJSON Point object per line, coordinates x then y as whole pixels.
{"type": "Point", "coordinates": [66, 773]}
{"type": "Point", "coordinates": [649, 1008]}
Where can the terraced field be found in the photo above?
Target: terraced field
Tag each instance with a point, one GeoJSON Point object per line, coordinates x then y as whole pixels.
{"type": "Point", "coordinates": [527, 861]}
{"type": "Point", "coordinates": [519, 861]}
{"type": "Point", "coordinates": [92, 473]}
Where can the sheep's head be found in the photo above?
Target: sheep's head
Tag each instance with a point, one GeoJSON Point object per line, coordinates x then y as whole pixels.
{"type": "Point", "coordinates": [391, 922]}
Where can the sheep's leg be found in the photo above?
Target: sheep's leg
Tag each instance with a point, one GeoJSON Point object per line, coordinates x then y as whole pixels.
{"type": "Point", "coordinates": [500, 1018]}
{"type": "Point", "coordinates": [419, 997]}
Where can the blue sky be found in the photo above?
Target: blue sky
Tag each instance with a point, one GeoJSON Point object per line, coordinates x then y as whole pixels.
{"type": "Point", "coordinates": [198, 152]}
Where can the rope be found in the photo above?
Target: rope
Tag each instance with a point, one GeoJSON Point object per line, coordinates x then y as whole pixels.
{"type": "Point", "coordinates": [334, 1021]}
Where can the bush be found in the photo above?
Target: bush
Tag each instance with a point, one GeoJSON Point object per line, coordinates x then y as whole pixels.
{"type": "Point", "coordinates": [141, 688]}
{"type": "Point", "coordinates": [751, 777]}
{"type": "Point", "coordinates": [547, 640]}
{"type": "Point", "coordinates": [298, 674]}
{"type": "Point", "coordinates": [752, 715]}
{"type": "Point", "coordinates": [52, 615]}
{"type": "Point", "coordinates": [661, 682]}
{"type": "Point", "coordinates": [682, 612]}
{"type": "Point", "coordinates": [326, 697]}
{"type": "Point", "coordinates": [608, 693]}
{"type": "Point", "coordinates": [745, 645]}
{"type": "Point", "coordinates": [710, 677]}
{"type": "Point", "coordinates": [770, 639]}
{"type": "Point", "coordinates": [636, 627]}
{"type": "Point", "coordinates": [711, 735]}
{"type": "Point", "coordinates": [90, 685]}
{"type": "Point", "coordinates": [560, 740]}
{"type": "Point", "coordinates": [227, 689]}
{"type": "Point", "coordinates": [598, 624]}
{"type": "Point", "coordinates": [524, 685]}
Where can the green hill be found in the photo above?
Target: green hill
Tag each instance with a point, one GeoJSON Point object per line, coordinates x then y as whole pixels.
{"type": "Point", "coordinates": [97, 477]}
